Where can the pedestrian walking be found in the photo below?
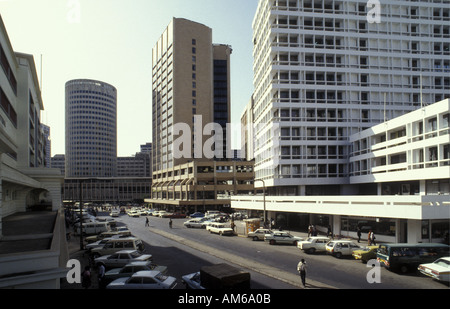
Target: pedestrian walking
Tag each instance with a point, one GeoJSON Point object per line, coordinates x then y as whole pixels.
{"type": "Point", "coordinates": [86, 277]}
{"type": "Point", "coordinates": [170, 223]}
{"type": "Point", "coordinates": [147, 221]}
{"type": "Point", "coordinates": [310, 230]}
{"type": "Point", "coordinates": [329, 231]}
{"type": "Point", "coordinates": [301, 268]}
{"type": "Point", "coordinates": [101, 276]}
{"type": "Point", "coordinates": [359, 234]}
{"type": "Point", "coordinates": [372, 238]}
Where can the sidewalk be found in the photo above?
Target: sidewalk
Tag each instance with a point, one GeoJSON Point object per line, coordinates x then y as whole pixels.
{"type": "Point", "coordinates": [76, 254]}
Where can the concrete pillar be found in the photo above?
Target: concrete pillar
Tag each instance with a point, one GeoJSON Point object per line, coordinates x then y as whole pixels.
{"type": "Point", "coordinates": [336, 225]}
{"type": "Point", "coordinates": [423, 187]}
{"type": "Point", "coordinates": [414, 231]}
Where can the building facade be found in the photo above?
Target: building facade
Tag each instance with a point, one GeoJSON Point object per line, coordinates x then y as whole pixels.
{"type": "Point", "coordinates": [91, 129]}
{"type": "Point", "coordinates": [323, 72]}
{"type": "Point", "coordinates": [191, 89]}
{"type": "Point", "coordinates": [27, 187]}
{"type": "Point", "coordinates": [399, 184]}
{"type": "Point", "coordinates": [201, 185]}
{"type": "Point", "coordinates": [191, 113]}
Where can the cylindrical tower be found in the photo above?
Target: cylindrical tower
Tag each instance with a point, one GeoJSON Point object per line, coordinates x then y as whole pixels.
{"type": "Point", "coordinates": [91, 129]}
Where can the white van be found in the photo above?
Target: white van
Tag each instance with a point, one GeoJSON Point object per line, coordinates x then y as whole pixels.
{"type": "Point", "coordinates": [93, 228]}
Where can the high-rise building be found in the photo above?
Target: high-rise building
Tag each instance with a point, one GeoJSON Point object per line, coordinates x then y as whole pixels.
{"type": "Point", "coordinates": [47, 145]}
{"type": "Point", "coordinates": [191, 87]}
{"type": "Point", "coordinates": [91, 129]}
{"type": "Point", "coordinates": [324, 70]}
{"type": "Point", "coordinates": [191, 103]}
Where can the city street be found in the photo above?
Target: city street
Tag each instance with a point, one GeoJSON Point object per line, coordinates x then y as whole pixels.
{"type": "Point", "coordinates": [185, 250]}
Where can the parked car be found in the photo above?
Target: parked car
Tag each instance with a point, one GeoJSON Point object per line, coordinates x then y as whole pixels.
{"type": "Point", "coordinates": [101, 243]}
{"type": "Point", "coordinates": [197, 215]}
{"type": "Point", "coordinates": [93, 228]}
{"type": "Point", "coordinates": [313, 244]}
{"type": "Point", "coordinates": [220, 228]}
{"type": "Point", "coordinates": [144, 280]}
{"type": "Point", "coordinates": [197, 223]}
{"type": "Point", "coordinates": [131, 268]}
{"type": "Point", "coordinates": [259, 234]}
{"type": "Point", "coordinates": [116, 231]}
{"type": "Point", "coordinates": [133, 214]}
{"type": "Point", "coordinates": [192, 281]}
{"type": "Point", "coordinates": [339, 248]}
{"type": "Point", "coordinates": [116, 245]}
{"type": "Point", "coordinates": [439, 269]}
{"type": "Point", "coordinates": [282, 238]}
{"type": "Point", "coordinates": [114, 213]}
{"type": "Point", "coordinates": [122, 258]}
{"type": "Point", "coordinates": [366, 254]}
{"type": "Point", "coordinates": [165, 214]}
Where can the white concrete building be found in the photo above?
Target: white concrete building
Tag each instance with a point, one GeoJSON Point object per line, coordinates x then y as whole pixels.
{"type": "Point", "coordinates": [28, 258]}
{"type": "Point", "coordinates": [399, 177]}
{"type": "Point", "coordinates": [323, 72]}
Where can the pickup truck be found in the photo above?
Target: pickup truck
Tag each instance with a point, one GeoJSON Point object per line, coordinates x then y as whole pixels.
{"type": "Point", "coordinates": [218, 277]}
{"type": "Point", "coordinates": [313, 244]}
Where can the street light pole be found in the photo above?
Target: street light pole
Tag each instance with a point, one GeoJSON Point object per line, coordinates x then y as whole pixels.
{"type": "Point", "coordinates": [81, 214]}
{"type": "Point", "coordinates": [204, 204]}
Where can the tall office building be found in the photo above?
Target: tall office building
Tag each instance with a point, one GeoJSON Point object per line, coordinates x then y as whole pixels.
{"type": "Point", "coordinates": [191, 86]}
{"type": "Point", "coordinates": [324, 70]}
{"type": "Point", "coordinates": [91, 129]}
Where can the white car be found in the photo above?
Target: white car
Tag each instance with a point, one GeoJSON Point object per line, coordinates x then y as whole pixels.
{"type": "Point", "coordinates": [197, 223]}
{"type": "Point", "coordinates": [114, 213]}
{"type": "Point", "coordinates": [282, 238]}
{"type": "Point", "coordinates": [339, 248]}
{"type": "Point", "coordinates": [259, 234]}
{"type": "Point", "coordinates": [133, 213]}
{"type": "Point", "coordinates": [313, 244]}
{"type": "Point", "coordinates": [439, 269]}
{"type": "Point", "coordinates": [220, 228]}
{"type": "Point", "coordinates": [164, 214]}
{"type": "Point", "coordinates": [144, 280]}
{"type": "Point", "coordinates": [122, 258]}
{"type": "Point", "coordinates": [192, 281]}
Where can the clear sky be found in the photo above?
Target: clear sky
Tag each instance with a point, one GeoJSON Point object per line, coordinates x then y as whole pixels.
{"type": "Point", "coordinates": [112, 41]}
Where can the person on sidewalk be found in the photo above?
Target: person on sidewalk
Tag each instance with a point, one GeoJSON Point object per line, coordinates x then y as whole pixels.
{"type": "Point", "coordinates": [86, 278]}
{"type": "Point", "coordinates": [101, 276]}
{"type": "Point", "coordinates": [301, 268]}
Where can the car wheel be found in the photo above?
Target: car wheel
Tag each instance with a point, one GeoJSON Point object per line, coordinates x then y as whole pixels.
{"type": "Point", "coordinates": [272, 242]}
{"type": "Point", "coordinates": [338, 255]}
{"type": "Point", "coordinates": [220, 233]}
{"type": "Point", "coordinates": [311, 250]}
{"type": "Point", "coordinates": [404, 269]}
{"type": "Point", "coordinates": [255, 238]}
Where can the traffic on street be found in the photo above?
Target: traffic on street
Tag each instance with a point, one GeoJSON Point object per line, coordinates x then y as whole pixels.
{"type": "Point", "coordinates": [183, 250]}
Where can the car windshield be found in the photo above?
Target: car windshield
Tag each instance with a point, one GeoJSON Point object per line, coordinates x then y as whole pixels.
{"type": "Point", "coordinates": [161, 277]}
{"type": "Point", "coordinates": [135, 254]}
{"type": "Point", "coordinates": [443, 263]}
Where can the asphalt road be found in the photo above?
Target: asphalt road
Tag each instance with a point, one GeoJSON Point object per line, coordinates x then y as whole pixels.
{"type": "Point", "coordinates": [185, 250]}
